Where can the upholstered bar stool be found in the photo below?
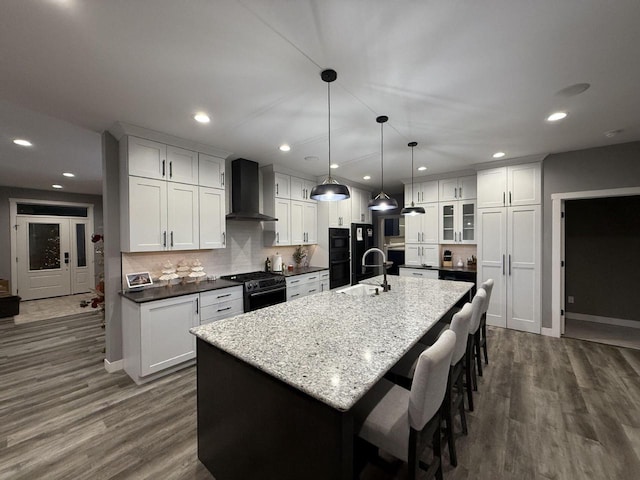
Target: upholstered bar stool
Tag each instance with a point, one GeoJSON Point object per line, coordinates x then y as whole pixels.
{"type": "Point", "coordinates": [477, 304]}
{"type": "Point", "coordinates": [401, 421]}
{"type": "Point", "coordinates": [488, 287]}
{"type": "Point", "coordinates": [454, 396]}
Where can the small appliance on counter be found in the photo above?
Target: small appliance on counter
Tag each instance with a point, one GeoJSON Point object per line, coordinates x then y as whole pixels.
{"type": "Point", "coordinates": [276, 263]}
{"type": "Point", "coordinates": [446, 259]}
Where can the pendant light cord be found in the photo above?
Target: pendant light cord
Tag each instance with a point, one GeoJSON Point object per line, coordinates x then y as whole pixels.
{"type": "Point", "coordinates": [411, 176]}
{"type": "Point", "coordinates": [329, 108]}
{"type": "Point", "coordinates": [381, 157]}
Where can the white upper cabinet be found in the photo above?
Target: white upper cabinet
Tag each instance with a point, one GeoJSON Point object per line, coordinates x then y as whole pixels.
{"type": "Point", "coordinates": [514, 185]}
{"type": "Point", "coordinates": [212, 218]}
{"type": "Point", "coordinates": [146, 158]}
{"type": "Point", "coordinates": [340, 213]}
{"type": "Point", "coordinates": [461, 188]}
{"type": "Point", "coordinates": [359, 200]}
{"type": "Point", "coordinates": [282, 185]}
{"type": "Point", "coordinates": [422, 228]}
{"type": "Point", "coordinates": [304, 223]}
{"type": "Point", "coordinates": [458, 221]}
{"type": "Point", "coordinates": [423, 192]}
{"type": "Point", "coordinates": [283, 225]}
{"type": "Point", "coordinates": [301, 189]}
{"type": "Point", "coordinates": [211, 171]}
{"type": "Point", "coordinates": [182, 165]}
{"type": "Point", "coordinates": [183, 217]}
{"type": "Point", "coordinates": [145, 228]}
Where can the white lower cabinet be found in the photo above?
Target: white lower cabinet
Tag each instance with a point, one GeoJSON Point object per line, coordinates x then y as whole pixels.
{"type": "Point", "coordinates": [418, 272]}
{"type": "Point", "coordinates": [324, 281]}
{"type": "Point", "coordinates": [156, 335]}
{"type": "Point", "coordinates": [218, 304]}
{"type": "Point", "coordinates": [418, 254]}
{"type": "Point", "coordinates": [300, 286]}
{"type": "Point", "coordinates": [509, 253]}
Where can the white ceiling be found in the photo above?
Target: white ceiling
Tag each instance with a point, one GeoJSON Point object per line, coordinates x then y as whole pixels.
{"type": "Point", "coordinates": [464, 79]}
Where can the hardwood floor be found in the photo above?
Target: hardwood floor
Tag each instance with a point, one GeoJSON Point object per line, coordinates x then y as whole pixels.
{"type": "Point", "coordinates": [546, 409]}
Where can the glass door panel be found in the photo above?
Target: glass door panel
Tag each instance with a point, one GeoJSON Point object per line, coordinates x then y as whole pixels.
{"type": "Point", "coordinates": [448, 223]}
{"type": "Point", "coordinates": [44, 246]}
{"type": "Point", "coordinates": [468, 221]}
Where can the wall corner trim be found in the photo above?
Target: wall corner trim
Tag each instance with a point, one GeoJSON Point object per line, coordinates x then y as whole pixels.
{"type": "Point", "coordinates": [114, 366]}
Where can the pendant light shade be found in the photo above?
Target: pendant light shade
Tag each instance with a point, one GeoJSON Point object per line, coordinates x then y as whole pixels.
{"type": "Point", "coordinates": [412, 210]}
{"type": "Point", "coordinates": [382, 201]}
{"type": "Point", "coordinates": [330, 189]}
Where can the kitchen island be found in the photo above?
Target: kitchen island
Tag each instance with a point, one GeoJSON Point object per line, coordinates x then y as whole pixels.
{"type": "Point", "coordinates": [276, 386]}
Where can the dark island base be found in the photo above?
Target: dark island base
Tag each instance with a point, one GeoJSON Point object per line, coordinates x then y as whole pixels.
{"type": "Point", "coordinates": [251, 425]}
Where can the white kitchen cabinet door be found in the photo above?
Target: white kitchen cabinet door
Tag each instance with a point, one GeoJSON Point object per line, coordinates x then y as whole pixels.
{"type": "Point", "coordinates": [467, 187]}
{"type": "Point", "coordinates": [211, 171]}
{"type": "Point", "coordinates": [413, 228]}
{"type": "Point", "coordinates": [164, 333]}
{"type": "Point", "coordinates": [492, 186]}
{"type": "Point", "coordinates": [212, 218]}
{"type": "Point", "coordinates": [146, 158]}
{"type": "Point", "coordinates": [340, 213]}
{"type": "Point", "coordinates": [183, 220]}
{"type": "Point", "coordinates": [297, 188]}
{"type": "Point", "coordinates": [492, 258]}
{"type": "Point", "coordinates": [357, 215]}
{"type": "Point", "coordinates": [311, 223]}
{"type": "Point", "coordinates": [427, 192]}
{"type": "Point", "coordinates": [324, 281]}
{"type": "Point", "coordinates": [182, 165]}
{"type": "Point", "coordinates": [365, 196]}
{"type": "Point", "coordinates": [419, 254]}
{"type": "Point", "coordinates": [283, 225]}
{"type": "Point", "coordinates": [448, 189]}
{"type": "Point", "coordinates": [457, 222]}
{"type": "Point", "coordinates": [412, 254]}
{"type": "Point", "coordinates": [297, 222]}
{"type": "Point", "coordinates": [422, 228]}
{"type": "Point", "coordinates": [462, 188]}
{"type": "Point", "coordinates": [282, 185]}
{"type": "Point", "coordinates": [524, 184]}
{"type": "Point", "coordinates": [147, 216]}
{"type": "Point", "coordinates": [523, 268]}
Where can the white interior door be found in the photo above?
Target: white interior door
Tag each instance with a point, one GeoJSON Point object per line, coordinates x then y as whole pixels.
{"type": "Point", "coordinates": [492, 248]}
{"type": "Point", "coordinates": [54, 257]}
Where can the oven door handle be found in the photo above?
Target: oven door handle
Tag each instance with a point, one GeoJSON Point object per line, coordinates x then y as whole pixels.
{"type": "Point", "coordinates": [267, 292]}
{"type": "Point", "coordinates": [335, 262]}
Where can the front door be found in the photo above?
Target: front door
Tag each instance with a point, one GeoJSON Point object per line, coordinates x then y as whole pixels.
{"type": "Point", "coordinates": [52, 256]}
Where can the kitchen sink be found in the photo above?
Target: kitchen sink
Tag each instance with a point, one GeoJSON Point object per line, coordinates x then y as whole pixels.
{"type": "Point", "coordinates": [361, 290]}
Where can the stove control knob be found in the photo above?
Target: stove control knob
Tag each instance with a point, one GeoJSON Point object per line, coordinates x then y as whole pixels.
{"type": "Point", "coordinates": [249, 286]}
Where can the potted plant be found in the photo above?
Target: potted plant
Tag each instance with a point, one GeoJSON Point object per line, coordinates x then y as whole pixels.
{"type": "Point", "coordinates": [299, 254]}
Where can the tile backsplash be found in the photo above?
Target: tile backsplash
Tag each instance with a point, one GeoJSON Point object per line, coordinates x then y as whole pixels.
{"type": "Point", "coordinates": [458, 250]}
{"type": "Point", "coordinates": [245, 252]}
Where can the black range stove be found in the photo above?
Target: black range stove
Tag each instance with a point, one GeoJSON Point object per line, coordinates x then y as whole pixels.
{"type": "Point", "coordinates": [261, 289]}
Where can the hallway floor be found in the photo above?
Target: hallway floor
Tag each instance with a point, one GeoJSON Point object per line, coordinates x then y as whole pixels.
{"type": "Point", "coordinates": [56, 307]}
{"type": "Point", "coordinates": [603, 333]}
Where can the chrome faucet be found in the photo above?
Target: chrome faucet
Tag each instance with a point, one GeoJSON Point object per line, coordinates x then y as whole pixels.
{"type": "Point", "coordinates": [385, 286]}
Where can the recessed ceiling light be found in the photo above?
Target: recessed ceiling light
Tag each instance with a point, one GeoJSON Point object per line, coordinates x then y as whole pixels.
{"type": "Point", "coordinates": [554, 117]}
{"type": "Point", "coordinates": [367, 177]}
{"type": "Point", "coordinates": [284, 147]}
{"type": "Point", "coordinates": [499, 155]}
{"type": "Point", "coordinates": [201, 117]}
{"type": "Point", "coordinates": [55, 185]}
{"type": "Point", "coordinates": [22, 142]}
{"type": "Point", "coordinates": [68, 174]}
{"type": "Point", "coordinates": [422, 169]}
{"type": "Point", "coordinates": [613, 133]}
{"type": "Point", "coordinates": [572, 90]}
{"type": "Point", "coordinates": [334, 165]}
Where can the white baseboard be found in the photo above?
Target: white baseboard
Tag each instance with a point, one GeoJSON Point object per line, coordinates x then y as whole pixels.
{"type": "Point", "coordinates": [115, 366]}
{"type": "Point", "coordinates": [621, 322]}
{"type": "Point", "coordinates": [548, 332]}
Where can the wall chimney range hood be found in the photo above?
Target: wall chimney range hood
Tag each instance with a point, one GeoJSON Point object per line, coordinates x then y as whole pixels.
{"type": "Point", "coordinates": [245, 190]}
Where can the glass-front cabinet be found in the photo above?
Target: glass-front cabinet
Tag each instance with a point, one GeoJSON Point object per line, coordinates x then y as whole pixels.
{"type": "Point", "coordinates": [458, 222]}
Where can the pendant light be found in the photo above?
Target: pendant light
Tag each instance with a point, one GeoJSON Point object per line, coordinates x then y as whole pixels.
{"type": "Point", "coordinates": [330, 189]}
{"type": "Point", "coordinates": [412, 210]}
{"type": "Point", "coordinates": [382, 201]}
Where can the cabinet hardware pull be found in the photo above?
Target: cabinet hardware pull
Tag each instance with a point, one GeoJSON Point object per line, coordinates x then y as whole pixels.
{"type": "Point", "coordinates": [223, 309]}
{"type": "Point", "coordinates": [504, 198]}
{"type": "Point", "coordinates": [277, 237]}
{"type": "Point", "coordinates": [172, 238]}
{"type": "Point", "coordinates": [295, 295]}
{"type": "Point", "coordinates": [503, 264]}
{"type": "Point", "coordinates": [163, 172]}
{"type": "Point", "coordinates": [417, 274]}
{"type": "Point", "coordinates": [294, 281]}
{"type": "Point", "coordinates": [460, 192]}
{"type": "Point", "coordinates": [197, 306]}
{"type": "Point", "coordinates": [224, 238]}
{"type": "Point", "coordinates": [222, 183]}
{"type": "Point", "coordinates": [418, 236]}
{"type": "Point", "coordinates": [312, 290]}
{"type": "Point", "coordinates": [455, 192]}
{"type": "Point", "coordinates": [164, 238]}
{"type": "Point", "coordinates": [277, 192]}
{"type": "Point", "coordinates": [222, 296]}
{"type": "Point", "coordinates": [312, 278]}
{"type": "Point", "coordinates": [509, 264]}
{"type": "Point", "coordinates": [171, 169]}
{"type": "Point", "coordinates": [509, 198]}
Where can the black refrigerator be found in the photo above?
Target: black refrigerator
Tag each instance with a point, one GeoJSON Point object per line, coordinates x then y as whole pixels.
{"type": "Point", "coordinates": [361, 241]}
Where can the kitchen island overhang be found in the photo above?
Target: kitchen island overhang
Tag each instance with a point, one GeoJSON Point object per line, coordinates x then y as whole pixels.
{"type": "Point", "coordinates": [275, 386]}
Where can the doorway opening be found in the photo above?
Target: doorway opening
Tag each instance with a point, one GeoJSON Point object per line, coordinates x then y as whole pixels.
{"type": "Point", "coordinates": [51, 248]}
{"type": "Point", "coordinates": [595, 235]}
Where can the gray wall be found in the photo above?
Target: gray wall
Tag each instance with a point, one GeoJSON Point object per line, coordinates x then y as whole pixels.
{"type": "Point", "coordinates": [600, 168]}
{"type": "Point", "coordinates": [5, 228]}
{"type": "Point", "coordinates": [112, 260]}
{"type": "Point", "coordinates": [602, 242]}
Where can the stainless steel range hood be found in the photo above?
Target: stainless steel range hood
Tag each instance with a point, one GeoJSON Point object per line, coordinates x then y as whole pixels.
{"type": "Point", "coordinates": [245, 191]}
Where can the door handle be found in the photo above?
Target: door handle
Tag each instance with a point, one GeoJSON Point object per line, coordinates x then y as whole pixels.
{"type": "Point", "coordinates": [223, 309]}
{"type": "Point", "coordinates": [509, 198]}
{"type": "Point", "coordinates": [66, 257]}
{"type": "Point", "coordinates": [455, 192]}
{"type": "Point", "coordinates": [172, 238]}
{"type": "Point", "coordinates": [164, 238]}
{"type": "Point", "coordinates": [504, 198]}
{"type": "Point", "coordinates": [224, 238]}
{"type": "Point", "coordinates": [171, 169]}
{"type": "Point", "coordinates": [223, 296]}
{"type": "Point", "coordinates": [503, 264]}
{"type": "Point", "coordinates": [277, 192]}
{"type": "Point", "coordinates": [163, 167]}
{"type": "Point", "coordinates": [509, 264]}
{"type": "Point", "coordinates": [277, 237]}
{"type": "Point", "coordinates": [460, 192]}
{"type": "Point", "coordinates": [197, 306]}
{"type": "Point", "coordinates": [222, 179]}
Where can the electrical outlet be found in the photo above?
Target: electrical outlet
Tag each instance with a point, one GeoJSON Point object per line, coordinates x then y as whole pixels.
{"type": "Point", "coordinates": [570, 299]}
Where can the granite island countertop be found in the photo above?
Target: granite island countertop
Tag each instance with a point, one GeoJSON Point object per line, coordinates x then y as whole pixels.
{"type": "Point", "coordinates": [334, 346]}
{"type": "Point", "coordinates": [163, 292]}
{"type": "Point", "coordinates": [465, 268]}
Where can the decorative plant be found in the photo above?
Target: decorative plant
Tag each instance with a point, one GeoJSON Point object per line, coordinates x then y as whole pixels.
{"type": "Point", "coordinates": [98, 300]}
{"type": "Point", "coordinates": [299, 254]}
